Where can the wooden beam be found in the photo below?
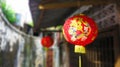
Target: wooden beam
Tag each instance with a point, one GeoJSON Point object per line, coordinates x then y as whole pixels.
{"type": "Point", "coordinates": [73, 4]}
{"type": "Point", "coordinates": [36, 27]}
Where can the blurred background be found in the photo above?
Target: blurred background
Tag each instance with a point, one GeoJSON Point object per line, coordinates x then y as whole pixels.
{"type": "Point", "coordinates": [23, 24]}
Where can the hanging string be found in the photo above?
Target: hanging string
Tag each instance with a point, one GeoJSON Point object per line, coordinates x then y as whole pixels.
{"type": "Point", "coordinates": [78, 3]}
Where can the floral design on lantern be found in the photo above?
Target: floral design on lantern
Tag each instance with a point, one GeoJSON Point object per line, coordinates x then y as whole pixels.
{"type": "Point", "coordinates": [79, 29]}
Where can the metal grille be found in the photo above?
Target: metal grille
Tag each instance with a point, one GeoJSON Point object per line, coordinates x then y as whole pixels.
{"type": "Point", "coordinates": [100, 53]}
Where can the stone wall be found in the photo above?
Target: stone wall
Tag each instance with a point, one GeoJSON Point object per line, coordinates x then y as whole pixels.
{"type": "Point", "coordinates": [18, 49]}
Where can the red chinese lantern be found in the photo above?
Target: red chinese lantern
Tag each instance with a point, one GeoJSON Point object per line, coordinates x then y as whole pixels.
{"type": "Point", "coordinates": [47, 41]}
{"type": "Point", "coordinates": [80, 30]}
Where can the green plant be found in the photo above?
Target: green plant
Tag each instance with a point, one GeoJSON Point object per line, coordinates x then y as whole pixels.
{"type": "Point", "coordinates": [8, 12]}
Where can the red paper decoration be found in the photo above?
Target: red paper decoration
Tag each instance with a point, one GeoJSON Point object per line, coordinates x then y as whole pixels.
{"type": "Point", "coordinates": [80, 30]}
{"type": "Point", "coordinates": [47, 41]}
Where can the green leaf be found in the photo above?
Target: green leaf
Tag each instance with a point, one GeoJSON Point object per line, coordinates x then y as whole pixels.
{"type": "Point", "coordinates": [8, 12]}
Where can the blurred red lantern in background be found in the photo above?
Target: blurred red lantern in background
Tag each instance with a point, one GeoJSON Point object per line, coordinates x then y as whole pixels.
{"type": "Point", "coordinates": [47, 41]}
{"type": "Point", "coordinates": [80, 30]}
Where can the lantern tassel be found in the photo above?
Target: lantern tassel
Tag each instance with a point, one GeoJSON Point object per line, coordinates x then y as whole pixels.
{"type": "Point", "coordinates": [80, 61]}
{"type": "Point", "coordinates": [81, 50]}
